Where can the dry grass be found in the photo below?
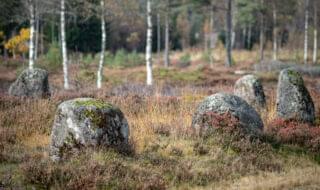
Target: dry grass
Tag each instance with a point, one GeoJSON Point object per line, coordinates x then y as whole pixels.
{"type": "Point", "coordinates": [167, 155]}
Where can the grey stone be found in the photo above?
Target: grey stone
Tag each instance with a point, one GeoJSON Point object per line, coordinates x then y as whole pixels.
{"type": "Point", "coordinates": [31, 83]}
{"type": "Point", "coordinates": [87, 122]}
{"type": "Point", "coordinates": [250, 89]}
{"type": "Point", "coordinates": [222, 103]}
{"type": "Point", "coordinates": [293, 99]}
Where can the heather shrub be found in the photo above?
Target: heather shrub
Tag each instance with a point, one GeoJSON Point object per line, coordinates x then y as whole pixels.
{"type": "Point", "coordinates": [292, 132]}
{"type": "Point", "coordinates": [103, 170]}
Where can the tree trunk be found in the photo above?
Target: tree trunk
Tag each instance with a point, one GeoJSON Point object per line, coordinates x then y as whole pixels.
{"type": "Point", "coordinates": [306, 28]}
{"type": "Point", "coordinates": [229, 34]}
{"type": "Point", "coordinates": [149, 44]}
{"type": "Point", "coordinates": [244, 36]}
{"type": "Point", "coordinates": [315, 36]}
{"type": "Point", "coordinates": [261, 35]}
{"type": "Point", "coordinates": [41, 40]}
{"type": "Point", "coordinates": [103, 45]}
{"type": "Point", "coordinates": [64, 45]}
{"type": "Point", "coordinates": [249, 37]}
{"type": "Point", "coordinates": [158, 34]}
{"type": "Point", "coordinates": [211, 37]}
{"type": "Point", "coordinates": [275, 34]}
{"type": "Point", "coordinates": [31, 42]}
{"type": "Point", "coordinates": [52, 32]}
{"type": "Point", "coordinates": [167, 38]}
{"type": "Point", "coordinates": [37, 35]}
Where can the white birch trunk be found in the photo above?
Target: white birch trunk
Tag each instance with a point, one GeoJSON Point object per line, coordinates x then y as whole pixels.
{"type": "Point", "coordinates": [32, 28]}
{"type": "Point", "coordinates": [103, 45]}
{"type": "Point", "coordinates": [244, 35]}
{"type": "Point", "coordinates": [158, 34]}
{"type": "Point", "coordinates": [167, 38]}
{"type": "Point", "coordinates": [275, 34]}
{"type": "Point", "coordinates": [149, 44]}
{"type": "Point", "coordinates": [229, 34]}
{"type": "Point", "coordinates": [211, 38]}
{"type": "Point", "coordinates": [306, 28]}
{"type": "Point", "coordinates": [249, 37]}
{"type": "Point", "coordinates": [37, 37]}
{"type": "Point", "coordinates": [64, 45]}
{"type": "Point", "coordinates": [315, 35]}
{"type": "Point", "coordinates": [262, 34]}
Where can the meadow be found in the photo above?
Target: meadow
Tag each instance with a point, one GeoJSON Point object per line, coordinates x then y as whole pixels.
{"type": "Point", "coordinates": [165, 153]}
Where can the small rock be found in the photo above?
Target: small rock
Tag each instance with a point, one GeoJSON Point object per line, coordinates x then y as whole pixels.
{"type": "Point", "coordinates": [293, 99]}
{"type": "Point", "coordinates": [250, 89]}
{"type": "Point", "coordinates": [87, 122]}
{"type": "Point", "coordinates": [31, 83]}
{"type": "Point", "coordinates": [221, 103]}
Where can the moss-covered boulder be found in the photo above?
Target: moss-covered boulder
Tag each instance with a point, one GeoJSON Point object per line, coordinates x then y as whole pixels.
{"type": "Point", "coordinates": [211, 111]}
{"type": "Point", "coordinates": [293, 99]}
{"type": "Point", "coordinates": [31, 83]}
{"type": "Point", "coordinates": [250, 89]}
{"type": "Point", "coordinates": [87, 122]}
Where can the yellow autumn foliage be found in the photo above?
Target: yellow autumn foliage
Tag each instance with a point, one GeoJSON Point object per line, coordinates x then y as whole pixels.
{"type": "Point", "coordinates": [19, 43]}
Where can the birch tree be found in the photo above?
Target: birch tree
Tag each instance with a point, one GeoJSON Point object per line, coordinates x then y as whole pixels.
{"type": "Point", "coordinates": [261, 30]}
{"type": "Point", "coordinates": [103, 44]}
{"type": "Point", "coordinates": [229, 33]}
{"type": "Point", "coordinates": [149, 44]}
{"type": "Point", "coordinates": [167, 36]}
{"type": "Point", "coordinates": [158, 33]}
{"type": "Point", "coordinates": [275, 32]}
{"type": "Point", "coordinates": [37, 21]}
{"type": "Point", "coordinates": [315, 33]}
{"type": "Point", "coordinates": [211, 33]}
{"type": "Point", "coordinates": [306, 29]}
{"type": "Point", "coordinates": [64, 45]}
{"type": "Point", "coordinates": [32, 28]}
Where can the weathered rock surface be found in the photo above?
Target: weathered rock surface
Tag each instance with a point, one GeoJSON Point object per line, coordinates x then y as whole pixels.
{"type": "Point", "coordinates": [86, 122]}
{"type": "Point", "coordinates": [293, 99]}
{"type": "Point", "coordinates": [221, 103]}
{"type": "Point", "coordinates": [251, 90]}
{"type": "Point", "coordinates": [31, 83]}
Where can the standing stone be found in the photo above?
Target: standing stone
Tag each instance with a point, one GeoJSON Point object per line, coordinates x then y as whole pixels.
{"type": "Point", "coordinates": [220, 103]}
{"type": "Point", "coordinates": [293, 99]}
{"type": "Point", "coordinates": [250, 89]}
{"type": "Point", "coordinates": [31, 83]}
{"type": "Point", "coordinates": [86, 122]}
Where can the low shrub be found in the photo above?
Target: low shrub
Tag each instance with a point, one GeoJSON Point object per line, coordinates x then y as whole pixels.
{"type": "Point", "coordinates": [124, 59]}
{"type": "Point", "coordinates": [292, 132]}
{"type": "Point", "coordinates": [184, 61]}
{"type": "Point", "coordinates": [53, 59]}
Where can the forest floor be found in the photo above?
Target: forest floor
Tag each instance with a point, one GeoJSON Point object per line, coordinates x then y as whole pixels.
{"type": "Point", "coordinates": [165, 154]}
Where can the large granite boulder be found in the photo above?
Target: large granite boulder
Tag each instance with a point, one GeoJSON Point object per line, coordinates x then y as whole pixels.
{"type": "Point", "coordinates": [87, 122]}
{"type": "Point", "coordinates": [250, 89]}
{"type": "Point", "coordinates": [248, 119]}
{"type": "Point", "coordinates": [31, 83]}
{"type": "Point", "coordinates": [293, 99]}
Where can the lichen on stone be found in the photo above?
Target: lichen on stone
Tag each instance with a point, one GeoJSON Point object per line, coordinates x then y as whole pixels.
{"type": "Point", "coordinates": [92, 102]}
{"type": "Point", "coordinates": [94, 117]}
{"type": "Point", "coordinates": [295, 77]}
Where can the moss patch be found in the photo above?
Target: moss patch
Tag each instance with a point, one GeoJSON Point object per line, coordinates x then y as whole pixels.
{"type": "Point", "coordinates": [95, 103]}
{"type": "Point", "coordinates": [94, 114]}
{"type": "Point", "coordinates": [94, 117]}
{"type": "Point", "coordinates": [295, 77]}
